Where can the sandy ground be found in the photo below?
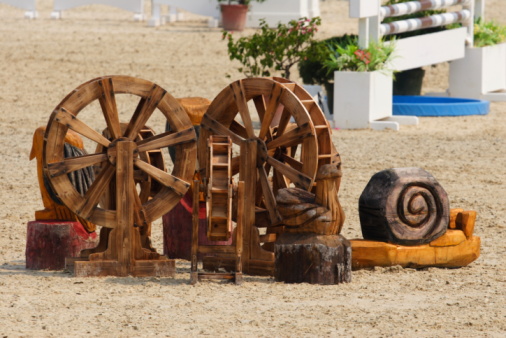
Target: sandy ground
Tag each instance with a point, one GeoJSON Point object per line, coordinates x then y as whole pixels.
{"type": "Point", "coordinates": [42, 60]}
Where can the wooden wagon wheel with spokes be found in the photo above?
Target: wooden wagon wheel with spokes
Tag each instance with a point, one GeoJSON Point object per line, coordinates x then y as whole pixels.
{"type": "Point", "coordinates": [173, 185]}
{"type": "Point", "coordinates": [230, 114]}
{"type": "Point", "coordinates": [292, 141]}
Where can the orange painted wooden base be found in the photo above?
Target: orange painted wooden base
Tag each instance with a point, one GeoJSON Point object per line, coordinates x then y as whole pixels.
{"type": "Point", "coordinates": [452, 250]}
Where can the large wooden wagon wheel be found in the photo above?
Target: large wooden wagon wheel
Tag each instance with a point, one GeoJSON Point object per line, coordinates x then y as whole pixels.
{"type": "Point", "coordinates": [230, 115]}
{"type": "Point", "coordinates": [291, 141]}
{"type": "Point", "coordinates": [118, 158]}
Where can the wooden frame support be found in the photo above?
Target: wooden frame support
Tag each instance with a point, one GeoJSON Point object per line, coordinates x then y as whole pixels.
{"type": "Point", "coordinates": [124, 255]}
{"type": "Point", "coordinates": [235, 250]}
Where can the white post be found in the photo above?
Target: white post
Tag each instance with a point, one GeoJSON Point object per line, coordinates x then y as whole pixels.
{"type": "Point", "coordinates": [479, 9]}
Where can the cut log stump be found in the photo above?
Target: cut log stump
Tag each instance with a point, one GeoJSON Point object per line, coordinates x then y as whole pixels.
{"type": "Point", "coordinates": [177, 229]}
{"type": "Point", "coordinates": [313, 259]}
{"type": "Point", "coordinates": [404, 206]}
{"type": "Point", "coordinates": [48, 243]}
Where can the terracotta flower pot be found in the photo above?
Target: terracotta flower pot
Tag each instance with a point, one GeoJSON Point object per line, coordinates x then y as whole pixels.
{"type": "Point", "coordinates": [233, 17]}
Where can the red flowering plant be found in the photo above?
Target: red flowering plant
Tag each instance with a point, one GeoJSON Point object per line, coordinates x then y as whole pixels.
{"type": "Point", "coordinates": [352, 58]}
{"type": "Point", "coordinates": [273, 49]}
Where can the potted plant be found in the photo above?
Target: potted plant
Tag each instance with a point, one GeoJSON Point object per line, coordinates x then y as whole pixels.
{"type": "Point", "coordinates": [233, 13]}
{"type": "Point", "coordinates": [483, 68]}
{"type": "Point", "coordinates": [312, 68]}
{"type": "Point", "coordinates": [362, 83]}
{"type": "Point", "coordinates": [270, 50]}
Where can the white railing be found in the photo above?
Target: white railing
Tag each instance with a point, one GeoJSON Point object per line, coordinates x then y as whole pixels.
{"type": "Point", "coordinates": [423, 49]}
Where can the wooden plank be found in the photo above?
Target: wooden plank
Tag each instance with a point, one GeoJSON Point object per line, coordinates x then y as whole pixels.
{"type": "Point", "coordinates": [297, 177]}
{"type": "Point", "coordinates": [109, 108]}
{"type": "Point", "coordinates": [170, 181]}
{"type": "Point", "coordinates": [71, 121]}
{"type": "Point", "coordinates": [143, 112]}
{"type": "Point", "coordinates": [94, 193]}
{"type": "Point", "coordinates": [74, 163]}
{"type": "Point", "coordinates": [292, 137]}
{"type": "Point", "coordinates": [271, 109]}
{"type": "Point", "coordinates": [242, 105]}
{"type": "Point", "coordinates": [167, 139]}
{"type": "Point", "coordinates": [217, 128]}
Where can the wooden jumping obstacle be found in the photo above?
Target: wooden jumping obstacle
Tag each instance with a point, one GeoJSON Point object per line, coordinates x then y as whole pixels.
{"type": "Point", "coordinates": [113, 200]}
{"type": "Point", "coordinates": [412, 52]}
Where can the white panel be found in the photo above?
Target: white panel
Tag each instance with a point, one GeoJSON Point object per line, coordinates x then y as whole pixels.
{"type": "Point", "coordinates": [364, 8]}
{"type": "Point", "coordinates": [281, 11]}
{"type": "Point", "coordinates": [429, 49]}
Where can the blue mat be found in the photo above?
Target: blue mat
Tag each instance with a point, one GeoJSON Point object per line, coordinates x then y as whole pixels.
{"type": "Point", "coordinates": [438, 106]}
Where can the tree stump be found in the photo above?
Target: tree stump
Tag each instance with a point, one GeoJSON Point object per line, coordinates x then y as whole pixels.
{"type": "Point", "coordinates": [312, 258]}
{"type": "Point", "coordinates": [49, 243]}
{"type": "Point", "coordinates": [404, 206]}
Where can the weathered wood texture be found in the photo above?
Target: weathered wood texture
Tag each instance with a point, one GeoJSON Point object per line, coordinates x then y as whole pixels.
{"type": "Point", "coordinates": [403, 206]}
{"type": "Point", "coordinates": [53, 208]}
{"type": "Point", "coordinates": [319, 213]}
{"type": "Point", "coordinates": [49, 243]}
{"type": "Point", "coordinates": [311, 258]}
{"type": "Point", "coordinates": [292, 141]}
{"type": "Point", "coordinates": [455, 248]}
{"type": "Point", "coordinates": [177, 229]}
{"type": "Point", "coordinates": [219, 188]}
{"type": "Point", "coordinates": [152, 99]}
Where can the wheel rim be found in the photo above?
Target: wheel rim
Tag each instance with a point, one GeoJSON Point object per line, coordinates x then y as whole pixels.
{"type": "Point", "coordinates": [229, 114]}
{"type": "Point", "coordinates": [104, 90]}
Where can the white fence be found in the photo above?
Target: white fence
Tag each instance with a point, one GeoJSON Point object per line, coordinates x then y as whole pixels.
{"type": "Point", "coordinates": [136, 6]}
{"type": "Point", "coordinates": [273, 11]}
{"type": "Point", "coordinates": [27, 5]}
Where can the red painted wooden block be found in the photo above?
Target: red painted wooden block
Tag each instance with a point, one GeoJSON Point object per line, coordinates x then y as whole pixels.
{"type": "Point", "coordinates": [177, 229]}
{"type": "Point", "coordinates": [48, 243]}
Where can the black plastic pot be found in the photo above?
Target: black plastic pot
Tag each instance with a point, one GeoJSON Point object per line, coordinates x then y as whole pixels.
{"type": "Point", "coordinates": [409, 82]}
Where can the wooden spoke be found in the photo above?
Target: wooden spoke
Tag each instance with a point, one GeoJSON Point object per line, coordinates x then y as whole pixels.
{"type": "Point", "coordinates": [239, 129]}
{"type": "Point", "coordinates": [283, 121]}
{"type": "Point", "coordinates": [217, 128]}
{"type": "Point", "coordinates": [298, 178]}
{"type": "Point", "coordinates": [167, 139]}
{"type": "Point", "coordinates": [272, 106]}
{"type": "Point", "coordinates": [270, 200]}
{"type": "Point", "coordinates": [291, 138]}
{"type": "Point", "coordinates": [74, 163]}
{"type": "Point", "coordinates": [62, 116]}
{"type": "Point", "coordinates": [109, 108]}
{"type": "Point", "coordinates": [279, 181]}
{"type": "Point", "coordinates": [172, 182]}
{"type": "Point", "coordinates": [144, 110]}
{"type": "Point", "coordinates": [235, 164]}
{"type": "Point", "coordinates": [139, 212]}
{"type": "Point", "coordinates": [260, 106]}
{"type": "Point", "coordinates": [242, 105]}
{"type": "Point", "coordinates": [97, 190]}
{"type": "Point", "coordinates": [297, 165]}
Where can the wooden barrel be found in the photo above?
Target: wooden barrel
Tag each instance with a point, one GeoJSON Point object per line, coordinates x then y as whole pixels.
{"type": "Point", "coordinates": [404, 206]}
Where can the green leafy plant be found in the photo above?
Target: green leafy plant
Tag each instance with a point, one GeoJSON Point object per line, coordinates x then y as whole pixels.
{"type": "Point", "coordinates": [352, 58]}
{"type": "Point", "coordinates": [488, 33]}
{"type": "Point", "coordinates": [312, 68]}
{"type": "Point", "coordinates": [239, 2]}
{"type": "Point", "coordinates": [275, 49]}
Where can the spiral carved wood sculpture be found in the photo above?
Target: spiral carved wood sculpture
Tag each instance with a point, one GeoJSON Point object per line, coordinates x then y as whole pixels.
{"type": "Point", "coordinates": [403, 206]}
